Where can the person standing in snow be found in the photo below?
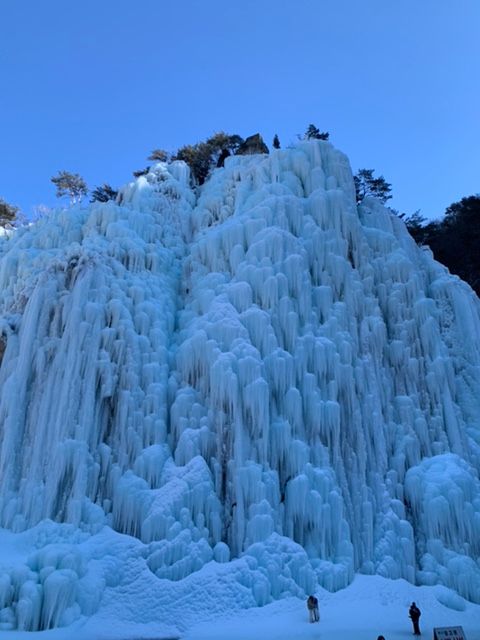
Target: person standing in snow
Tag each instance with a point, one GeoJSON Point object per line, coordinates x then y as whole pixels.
{"type": "Point", "coordinates": [312, 606]}
{"type": "Point", "coordinates": [414, 613]}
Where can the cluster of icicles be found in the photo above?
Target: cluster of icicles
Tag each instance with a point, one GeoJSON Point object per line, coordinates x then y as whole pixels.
{"type": "Point", "coordinates": [258, 362]}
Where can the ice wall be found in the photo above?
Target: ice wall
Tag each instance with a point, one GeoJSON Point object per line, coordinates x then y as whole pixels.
{"type": "Point", "coordinates": [248, 370]}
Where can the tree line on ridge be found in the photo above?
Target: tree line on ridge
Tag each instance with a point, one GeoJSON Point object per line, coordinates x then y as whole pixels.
{"type": "Point", "coordinates": [453, 239]}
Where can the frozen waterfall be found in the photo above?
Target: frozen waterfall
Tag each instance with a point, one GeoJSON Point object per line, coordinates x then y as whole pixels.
{"type": "Point", "coordinates": [258, 375]}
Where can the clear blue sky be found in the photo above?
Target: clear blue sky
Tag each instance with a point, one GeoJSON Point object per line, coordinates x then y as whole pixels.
{"type": "Point", "coordinates": [92, 86]}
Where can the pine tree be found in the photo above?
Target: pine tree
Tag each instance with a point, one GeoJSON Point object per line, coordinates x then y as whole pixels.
{"type": "Point", "coordinates": [221, 140]}
{"type": "Point", "coordinates": [204, 156]}
{"type": "Point", "coordinates": [140, 172]}
{"type": "Point", "coordinates": [367, 185]}
{"type": "Point", "coordinates": [159, 155]}
{"type": "Point", "coordinates": [454, 239]}
{"type": "Point", "coordinates": [198, 157]}
{"type": "Point", "coordinates": [459, 240]}
{"type": "Point", "coordinates": [103, 193]}
{"type": "Point", "coordinates": [415, 224]}
{"type": "Point", "coordinates": [276, 142]}
{"type": "Point", "coordinates": [8, 213]}
{"type": "Point", "coordinates": [313, 133]}
{"type": "Point", "coordinates": [71, 185]}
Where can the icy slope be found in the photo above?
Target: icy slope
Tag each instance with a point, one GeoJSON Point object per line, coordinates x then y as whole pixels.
{"type": "Point", "coordinates": [261, 372]}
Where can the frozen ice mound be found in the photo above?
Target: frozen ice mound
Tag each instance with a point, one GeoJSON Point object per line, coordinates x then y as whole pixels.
{"type": "Point", "coordinates": [256, 379]}
{"type": "Point", "coordinates": [443, 494]}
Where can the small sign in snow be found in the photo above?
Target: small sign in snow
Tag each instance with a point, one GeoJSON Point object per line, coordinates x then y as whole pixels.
{"type": "Point", "coordinates": [448, 633]}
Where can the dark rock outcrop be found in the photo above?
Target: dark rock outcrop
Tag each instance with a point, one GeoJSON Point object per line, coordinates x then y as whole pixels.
{"type": "Point", "coordinates": [252, 144]}
{"type": "Point", "coordinates": [3, 346]}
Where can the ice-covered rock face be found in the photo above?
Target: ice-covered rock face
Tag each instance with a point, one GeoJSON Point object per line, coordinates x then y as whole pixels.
{"type": "Point", "coordinates": [261, 370]}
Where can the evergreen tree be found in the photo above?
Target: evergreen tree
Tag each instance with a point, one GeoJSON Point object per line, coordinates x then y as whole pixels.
{"type": "Point", "coordinates": [198, 157]}
{"type": "Point", "coordinates": [204, 156]}
{"type": "Point", "coordinates": [313, 133]}
{"type": "Point", "coordinates": [159, 155]}
{"type": "Point", "coordinates": [458, 240]}
{"type": "Point", "coordinates": [103, 193]}
{"type": "Point", "coordinates": [221, 141]}
{"type": "Point", "coordinates": [454, 240]}
{"type": "Point", "coordinates": [276, 142]}
{"type": "Point", "coordinates": [140, 172]}
{"type": "Point", "coordinates": [415, 224]}
{"type": "Point", "coordinates": [367, 185]}
{"type": "Point", "coordinates": [71, 185]}
{"type": "Point", "coordinates": [8, 213]}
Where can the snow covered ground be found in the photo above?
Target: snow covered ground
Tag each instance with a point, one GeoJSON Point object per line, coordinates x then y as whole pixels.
{"type": "Point", "coordinates": [368, 607]}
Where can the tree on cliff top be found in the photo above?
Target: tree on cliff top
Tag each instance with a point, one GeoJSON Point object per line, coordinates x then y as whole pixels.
{"type": "Point", "coordinates": [103, 193]}
{"type": "Point", "coordinates": [159, 155]}
{"type": "Point", "coordinates": [204, 156]}
{"type": "Point", "coordinates": [71, 185]}
{"type": "Point", "coordinates": [314, 133]}
{"type": "Point", "coordinates": [367, 185]}
{"type": "Point", "coordinates": [8, 213]}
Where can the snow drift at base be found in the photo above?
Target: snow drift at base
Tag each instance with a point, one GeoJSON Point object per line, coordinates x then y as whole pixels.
{"type": "Point", "coordinates": [256, 380]}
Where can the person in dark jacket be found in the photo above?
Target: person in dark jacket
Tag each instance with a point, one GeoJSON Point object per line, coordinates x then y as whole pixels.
{"type": "Point", "coordinates": [312, 606]}
{"type": "Point", "coordinates": [414, 613]}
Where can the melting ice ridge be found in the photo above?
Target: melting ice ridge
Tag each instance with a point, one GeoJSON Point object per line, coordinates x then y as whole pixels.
{"type": "Point", "coordinates": [259, 382]}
